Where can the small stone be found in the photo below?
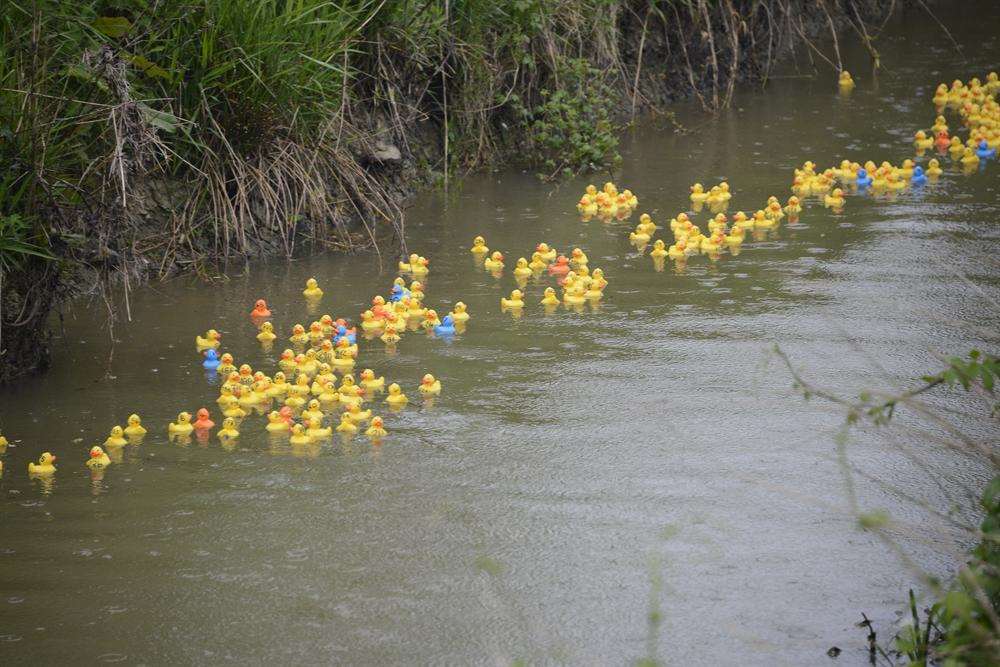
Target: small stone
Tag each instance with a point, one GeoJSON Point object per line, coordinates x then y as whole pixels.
{"type": "Point", "coordinates": [384, 152]}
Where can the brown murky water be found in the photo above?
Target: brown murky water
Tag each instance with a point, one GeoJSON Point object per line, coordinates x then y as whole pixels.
{"type": "Point", "coordinates": [571, 456]}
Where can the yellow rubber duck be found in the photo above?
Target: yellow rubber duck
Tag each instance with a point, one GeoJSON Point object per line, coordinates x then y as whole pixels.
{"type": "Point", "coordinates": [408, 266]}
{"type": "Point", "coordinates": [941, 95]}
{"type": "Point", "coordinates": [330, 396]}
{"type": "Point", "coordinates": [370, 382]}
{"type": "Point", "coordinates": [389, 337]}
{"type": "Point", "coordinates": [494, 262]}
{"type": "Point", "coordinates": [835, 199]}
{"type": "Point", "coordinates": [266, 333]}
{"type": "Point", "coordinates": [646, 223]}
{"type": "Point", "coordinates": [921, 141]}
{"type": "Point", "coordinates": [969, 158]}
{"type": "Point", "coordinates": [116, 438]}
{"type": "Point", "coordinates": [479, 247]}
{"type": "Point", "coordinates": [516, 300]}
{"type": "Point", "coordinates": [396, 397]}
{"type": "Point", "coordinates": [231, 407]}
{"type": "Point", "coordinates": [678, 249]}
{"type": "Point", "coordinates": [956, 149]}
{"type": "Point", "coordinates": [276, 423]}
{"type": "Point", "coordinates": [44, 466]}
{"type": "Point", "coordinates": [460, 313]}
{"type": "Point", "coordinates": [659, 250]}
{"type": "Point", "coordinates": [279, 386]}
{"type": "Point", "coordinates": [549, 298]}
{"type": "Point", "coordinates": [712, 244]}
{"type": "Point", "coordinates": [134, 429]}
{"type": "Point", "coordinates": [573, 294]}
{"type": "Point", "coordinates": [933, 168]}
{"type": "Point", "coordinates": [586, 207]}
{"type": "Point", "coordinates": [211, 340]}
{"type": "Point", "coordinates": [299, 435]}
{"type": "Point", "coordinates": [698, 195]}
{"type": "Point", "coordinates": [376, 429]}
{"type": "Point", "coordinates": [228, 430]}
{"type": "Point", "coordinates": [845, 82]}
{"type": "Point", "coordinates": [299, 335]}
{"type": "Point", "coordinates": [347, 425]}
{"type": "Point", "coordinates": [638, 237]}
{"type": "Point", "coordinates": [740, 220]}
{"type": "Point", "coordinates": [429, 386]}
{"type": "Point", "coordinates": [98, 459]}
{"type": "Point", "coordinates": [521, 269]}
{"type": "Point", "coordinates": [312, 411]}
{"type": "Point", "coordinates": [312, 290]}
{"type": "Point", "coordinates": [774, 211]}
{"type": "Point", "coordinates": [761, 221]}
{"type": "Point", "coordinates": [545, 252]}
{"type": "Point", "coordinates": [537, 264]}
{"type": "Point", "coordinates": [356, 414]}
{"type": "Point", "coordinates": [317, 430]}
{"type": "Point", "coordinates": [578, 258]}
{"type": "Point", "coordinates": [793, 208]}
{"type": "Point", "coordinates": [735, 237]}
{"type": "Point", "coordinates": [370, 323]}
{"type": "Point", "coordinates": [431, 320]}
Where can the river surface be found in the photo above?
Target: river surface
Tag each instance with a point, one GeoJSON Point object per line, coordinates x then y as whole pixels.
{"type": "Point", "coordinates": [574, 460]}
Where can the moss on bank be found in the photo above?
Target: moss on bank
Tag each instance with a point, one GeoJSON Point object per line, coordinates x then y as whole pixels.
{"type": "Point", "coordinates": [139, 137]}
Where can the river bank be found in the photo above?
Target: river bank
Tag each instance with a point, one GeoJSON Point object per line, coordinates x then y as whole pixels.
{"type": "Point", "coordinates": [216, 137]}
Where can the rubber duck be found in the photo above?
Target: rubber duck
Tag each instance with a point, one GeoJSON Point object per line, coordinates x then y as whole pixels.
{"type": "Point", "coordinates": [116, 438]}
{"type": "Point", "coordinates": [969, 158]}
{"type": "Point", "coordinates": [659, 250]}
{"type": "Point", "coordinates": [370, 323]}
{"type": "Point", "coordinates": [211, 361]}
{"type": "Point", "coordinates": [921, 142]}
{"type": "Point", "coordinates": [356, 414]}
{"type": "Point", "coordinates": [228, 430]}
{"type": "Point", "coordinates": [447, 326]}
{"type": "Point", "coordinates": [984, 152]}
{"type": "Point", "coordinates": [429, 386]}
{"type": "Point", "coordinates": [793, 208]}
{"type": "Point", "coordinates": [698, 195]}
{"type": "Point", "coordinates": [431, 320]}
{"type": "Point", "coordinates": [494, 262]}
{"type": "Point", "coordinates": [549, 298]}
{"type": "Point", "coordinates": [941, 95]}
{"type": "Point", "coordinates": [266, 333]}
{"type": "Point", "coordinates": [845, 82]}
{"type": "Point", "coordinates": [330, 396]}
{"type": "Point", "coordinates": [317, 430]}
{"type": "Point", "coordinates": [407, 266]}
{"type": "Point", "coordinates": [98, 459]}
{"type": "Point", "coordinates": [586, 207]}
{"type": "Point", "coordinates": [422, 267]}
{"type": "Point", "coordinates": [460, 312]}
{"type": "Point", "coordinates": [313, 411]}
{"type": "Point", "coordinates": [299, 435]}
{"type": "Point", "coordinates": [479, 247]}
{"type": "Point", "coordinates": [761, 221]}
{"type": "Point", "coordinates": [370, 382]}
{"type": "Point", "coordinates": [547, 253]}
{"type": "Point", "coordinates": [389, 337]}
{"type": "Point", "coordinates": [956, 148]}
{"type": "Point", "coordinates": [863, 180]}
{"type": "Point", "coordinates": [905, 170]}
{"type": "Point", "coordinates": [638, 237]}
{"type": "Point", "coordinates": [678, 250]}
{"type": "Point", "coordinates": [376, 429]}
{"type": "Point", "coordinates": [934, 168]}
{"type": "Point", "coordinates": [396, 397]}
{"type": "Point", "coordinates": [918, 177]}
{"type": "Point", "coordinates": [312, 290]}
{"type": "Point", "coordinates": [231, 407]}
{"type": "Point", "coordinates": [134, 428]}
{"type": "Point", "coordinates": [276, 423]}
{"type": "Point", "coordinates": [203, 422]}
{"type": "Point", "coordinates": [260, 310]}
{"type": "Point", "coordinates": [397, 293]}
{"type": "Point", "coordinates": [835, 199]}
{"type": "Point", "coordinates": [735, 238]}
{"type": "Point", "coordinates": [347, 425]}
{"type": "Point", "coordinates": [44, 466]}
{"type": "Point", "coordinates": [212, 339]}
{"type": "Point", "coordinates": [299, 335]}
{"type": "Point", "coordinates": [561, 266]}
{"type": "Point", "coordinates": [521, 269]}
{"type": "Point", "coordinates": [740, 220]}
{"type": "Point", "coordinates": [712, 244]}
{"type": "Point", "coordinates": [578, 258]}
{"type": "Point", "coordinates": [573, 295]}
{"type": "Point", "coordinates": [516, 300]}
{"type": "Point", "coordinates": [537, 264]}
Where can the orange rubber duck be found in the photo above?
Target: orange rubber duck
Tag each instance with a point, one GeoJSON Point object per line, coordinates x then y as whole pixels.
{"type": "Point", "coordinates": [260, 309]}
{"type": "Point", "coordinates": [203, 422]}
{"type": "Point", "coordinates": [561, 267]}
{"type": "Point", "coordinates": [942, 141]}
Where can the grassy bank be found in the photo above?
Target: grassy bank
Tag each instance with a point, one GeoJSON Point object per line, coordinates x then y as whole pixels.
{"type": "Point", "coordinates": [139, 137]}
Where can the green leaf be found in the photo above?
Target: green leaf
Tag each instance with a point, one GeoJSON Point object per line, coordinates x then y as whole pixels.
{"type": "Point", "coordinates": [112, 26]}
{"type": "Point", "coordinates": [159, 119]}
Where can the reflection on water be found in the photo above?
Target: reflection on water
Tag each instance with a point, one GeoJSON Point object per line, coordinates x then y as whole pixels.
{"type": "Point", "coordinates": [514, 517]}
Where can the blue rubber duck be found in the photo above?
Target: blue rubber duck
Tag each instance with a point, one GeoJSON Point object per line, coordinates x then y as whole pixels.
{"type": "Point", "coordinates": [918, 178]}
{"type": "Point", "coordinates": [985, 152]}
{"type": "Point", "coordinates": [398, 293]}
{"type": "Point", "coordinates": [211, 359]}
{"type": "Point", "coordinates": [447, 326]}
{"type": "Point", "coordinates": [342, 333]}
{"type": "Point", "coordinates": [864, 180]}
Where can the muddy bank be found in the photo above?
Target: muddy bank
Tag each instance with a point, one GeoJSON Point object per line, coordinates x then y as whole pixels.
{"type": "Point", "coordinates": [408, 119]}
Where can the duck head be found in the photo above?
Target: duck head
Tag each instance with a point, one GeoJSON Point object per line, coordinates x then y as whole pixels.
{"type": "Point", "coordinates": [460, 307]}
{"type": "Point", "coordinates": [394, 389]}
{"type": "Point", "coordinates": [47, 459]}
{"type": "Point", "coordinates": [95, 453]}
{"type": "Point", "coordinates": [427, 380]}
{"type": "Point", "coordinates": [311, 284]}
{"type": "Point", "coordinates": [134, 420]}
{"type": "Point", "coordinates": [184, 418]}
